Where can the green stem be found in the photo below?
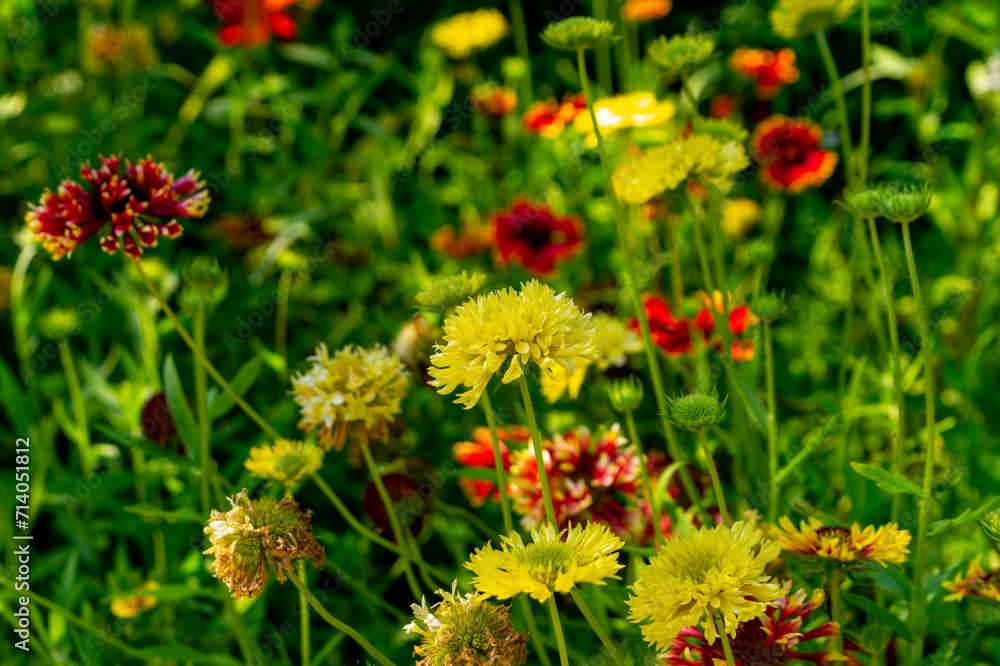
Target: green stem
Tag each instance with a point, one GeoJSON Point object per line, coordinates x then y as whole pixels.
{"type": "Point", "coordinates": [676, 272]}
{"type": "Point", "coordinates": [897, 364]}
{"type": "Point", "coordinates": [647, 485]}
{"type": "Point", "coordinates": [79, 408]}
{"type": "Point", "coordinates": [242, 639]}
{"type": "Point", "coordinates": [640, 311]}
{"type": "Point", "coordinates": [690, 93]}
{"type": "Point", "coordinates": [836, 607]}
{"type": "Point", "coordinates": [866, 91]}
{"type": "Point", "coordinates": [558, 631]}
{"type": "Point", "coordinates": [201, 399]}
{"type": "Point", "coordinates": [219, 379]}
{"type": "Point", "coordinates": [721, 626]}
{"type": "Point", "coordinates": [349, 517]}
{"type": "Point", "coordinates": [521, 46]}
{"type": "Point", "coordinates": [533, 633]}
{"type": "Point", "coordinates": [397, 529]}
{"type": "Point", "coordinates": [536, 445]}
{"type": "Point", "coordinates": [602, 54]}
{"type": "Point", "coordinates": [281, 322]}
{"type": "Point", "coordinates": [918, 603]}
{"type": "Point", "coordinates": [838, 95]}
{"type": "Point", "coordinates": [304, 617]}
{"type": "Point", "coordinates": [508, 523]}
{"type": "Point", "coordinates": [595, 625]}
{"type": "Point", "coordinates": [845, 346]}
{"type": "Point", "coordinates": [772, 426]}
{"type": "Point", "coordinates": [699, 241]}
{"type": "Point", "coordinates": [710, 461]}
{"type": "Point", "coordinates": [339, 624]}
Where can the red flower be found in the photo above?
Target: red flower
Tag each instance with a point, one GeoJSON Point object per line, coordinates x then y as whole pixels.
{"type": "Point", "coordinates": [772, 638]}
{"type": "Point", "coordinates": [769, 70]}
{"type": "Point", "coordinates": [789, 152]}
{"type": "Point", "coordinates": [129, 202]}
{"type": "Point", "coordinates": [405, 495]}
{"type": "Point", "coordinates": [549, 118]}
{"type": "Point", "coordinates": [479, 453]}
{"type": "Point", "coordinates": [251, 22]}
{"type": "Point", "coordinates": [157, 421]}
{"type": "Point", "coordinates": [673, 334]}
{"type": "Point", "coordinates": [722, 107]}
{"type": "Point", "coordinates": [535, 237]}
{"type": "Point", "coordinates": [493, 100]}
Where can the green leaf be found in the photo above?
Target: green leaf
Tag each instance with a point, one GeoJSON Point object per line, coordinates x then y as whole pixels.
{"type": "Point", "coordinates": [887, 481]}
{"type": "Point", "coordinates": [182, 515]}
{"type": "Point", "coordinates": [14, 401]}
{"type": "Point", "coordinates": [183, 653]}
{"type": "Point", "coordinates": [187, 428]}
{"type": "Point", "coordinates": [241, 383]}
{"type": "Point", "coordinates": [963, 518]}
{"type": "Point", "coordinates": [751, 400]}
{"type": "Point", "coordinates": [167, 593]}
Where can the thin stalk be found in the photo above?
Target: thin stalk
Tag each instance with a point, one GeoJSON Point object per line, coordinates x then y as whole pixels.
{"type": "Point", "coordinates": [710, 461]}
{"type": "Point", "coordinates": [242, 639]}
{"type": "Point", "coordinates": [772, 426]}
{"type": "Point", "coordinates": [536, 444]}
{"type": "Point", "coordinates": [699, 241]}
{"type": "Point", "coordinates": [79, 409]}
{"type": "Point", "coordinates": [281, 322]}
{"type": "Point", "coordinates": [351, 520]}
{"type": "Point", "coordinates": [845, 345]}
{"type": "Point", "coordinates": [219, 379]}
{"type": "Point", "coordinates": [836, 607]}
{"type": "Point", "coordinates": [201, 400]}
{"type": "Point", "coordinates": [676, 272]}
{"type": "Point", "coordinates": [521, 46]}
{"type": "Point", "coordinates": [640, 311]}
{"type": "Point", "coordinates": [918, 602]}
{"type": "Point", "coordinates": [866, 91]}
{"type": "Point", "coordinates": [897, 364]}
{"type": "Point", "coordinates": [690, 93]}
{"type": "Point", "coordinates": [304, 618]}
{"type": "Point", "coordinates": [339, 624]}
{"type": "Point", "coordinates": [558, 631]}
{"type": "Point", "coordinates": [397, 528]}
{"type": "Point", "coordinates": [596, 626]}
{"type": "Point", "coordinates": [602, 54]}
{"type": "Point", "coordinates": [725, 641]}
{"type": "Point", "coordinates": [508, 522]}
{"type": "Point", "coordinates": [838, 95]}
{"type": "Point", "coordinates": [654, 506]}
{"type": "Point", "coordinates": [533, 633]}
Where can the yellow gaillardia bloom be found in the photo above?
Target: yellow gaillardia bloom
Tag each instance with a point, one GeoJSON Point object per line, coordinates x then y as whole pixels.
{"type": "Point", "coordinates": [739, 217]}
{"type": "Point", "coordinates": [797, 18]}
{"type": "Point", "coordinates": [977, 580]}
{"type": "Point", "coordinates": [615, 341]}
{"type": "Point", "coordinates": [814, 539]}
{"type": "Point", "coordinates": [551, 563]}
{"type": "Point", "coordinates": [356, 388]}
{"type": "Point", "coordinates": [621, 112]}
{"type": "Point", "coordinates": [533, 325]}
{"type": "Point", "coordinates": [711, 574]}
{"type": "Point", "coordinates": [469, 32]}
{"type": "Point", "coordinates": [128, 607]}
{"type": "Point", "coordinates": [287, 461]}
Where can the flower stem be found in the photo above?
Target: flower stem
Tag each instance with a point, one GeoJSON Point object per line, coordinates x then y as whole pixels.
{"type": "Point", "coordinates": [79, 409]}
{"type": "Point", "coordinates": [836, 608]}
{"type": "Point", "coordinates": [710, 461]}
{"type": "Point", "coordinates": [521, 46]}
{"type": "Point", "coordinates": [699, 241]}
{"type": "Point", "coordinates": [339, 624]}
{"type": "Point", "coordinates": [918, 602]}
{"type": "Point", "coordinates": [533, 633]}
{"type": "Point", "coordinates": [536, 445]}
{"type": "Point", "coordinates": [281, 322]}
{"type": "Point", "coordinates": [897, 364]}
{"type": "Point", "coordinates": [220, 380]}
{"type": "Point", "coordinates": [640, 311]}
{"type": "Point", "coordinates": [595, 625]}
{"type": "Point", "coordinates": [654, 506]}
{"type": "Point", "coordinates": [838, 95]}
{"type": "Point", "coordinates": [304, 617]}
{"type": "Point", "coordinates": [201, 400]}
{"type": "Point", "coordinates": [508, 523]}
{"type": "Point", "coordinates": [772, 426]}
{"type": "Point", "coordinates": [676, 272]}
{"type": "Point", "coordinates": [866, 91]}
{"type": "Point", "coordinates": [690, 93]}
{"type": "Point", "coordinates": [557, 629]}
{"type": "Point", "coordinates": [349, 517]}
{"type": "Point", "coordinates": [397, 528]}
{"type": "Point", "coordinates": [725, 641]}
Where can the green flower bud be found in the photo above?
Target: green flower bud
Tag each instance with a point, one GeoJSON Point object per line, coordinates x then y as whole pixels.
{"type": "Point", "coordinates": [579, 32]}
{"type": "Point", "coordinates": [768, 306]}
{"type": "Point", "coordinates": [203, 273]}
{"type": "Point", "coordinates": [991, 524]}
{"type": "Point", "coordinates": [447, 293]}
{"type": "Point", "coordinates": [897, 203]}
{"type": "Point", "coordinates": [625, 394]}
{"type": "Point", "coordinates": [682, 54]}
{"type": "Point", "coordinates": [697, 411]}
{"type": "Point", "coordinates": [761, 251]}
{"type": "Point", "coordinates": [59, 322]}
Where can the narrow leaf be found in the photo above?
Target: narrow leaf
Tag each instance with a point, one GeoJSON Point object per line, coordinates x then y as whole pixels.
{"type": "Point", "coordinates": [187, 428]}
{"type": "Point", "coordinates": [241, 383]}
{"type": "Point", "coordinates": [887, 481]}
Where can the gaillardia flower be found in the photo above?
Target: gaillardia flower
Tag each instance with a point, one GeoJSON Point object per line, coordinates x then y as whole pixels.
{"type": "Point", "coordinates": [768, 70]}
{"type": "Point", "coordinates": [253, 25]}
{"type": "Point", "coordinates": [356, 388]}
{"type": "Point", "coordinates": [129, 607]}
{"type": "Point", "coordinates": [622, 112]}
{"type": "Point", "coordinates": [841, 545]}
{"type": "Point", "coordinates": [534, 237]}
{"type": "Point", "coordinates": [773, 638]}
{"type": "Point", "coordinates": [641, 11]}
{"type": "Point", "coordinates": [533, 325]}
{"type": "Point", "coordinates": [739, 217]}
{"type": "Point", "coordinates": [124, 207]}
{"type": "Point", "coordinates": [549, 118]}
{"type": "Point", "coordinates": [114, 46]}
{"type": "Point", "coordinates": [470, 32]}
{"type": "Point", "coordinates": [977, 580]}
{"type": "Point", "coordinates": [479, 453]}
{"type": "Point", "coordinates": [676, 334]}
{"type": "Point", "coordinates": [287, 461]}
{"type": "Point", "coordinates": [259, 537]}
{"type": "Point", "coordinates": [788, 150]}
{"type": "Point", "coordinates": [446, 293]}
{"type": "Point", "coordinates": [553, 562]}
{"type": "Point", "coordinates": [493, 100]}
{"type": "Point", "coordinates": [796, 18]}
{"type": "Point", "coordinates": [712, 574]}
{"type": "Point", "coordinates": [615, 340]}
{"type": "Point", "coordinates": [465, 631]}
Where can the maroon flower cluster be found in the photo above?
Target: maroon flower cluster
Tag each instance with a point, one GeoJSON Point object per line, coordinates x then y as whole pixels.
{"type": "Point", "coordinates": [127, 208]}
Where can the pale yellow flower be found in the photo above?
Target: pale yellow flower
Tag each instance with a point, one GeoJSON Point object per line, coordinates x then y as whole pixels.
{"type": "Point", "coordinates": [739, 217]}
{"type": "Point", "coordinates": [470, 32]}
{"type": "Point", "coordinates": [615, 341]}
{"type": "Point", "coordinates": [286, 462]}
{"type": "Point", "coordinates": [627, 111]}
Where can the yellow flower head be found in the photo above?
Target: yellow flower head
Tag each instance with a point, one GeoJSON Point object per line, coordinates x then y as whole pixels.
{"type": "Point", "coordinates": [977, 580]}
{"type": "Point", "coordinates": [531, 325]}
{"type": "Point", "coordinates": [465, 630]}
{"type": "Point", "coordinates": [128, 607]}
{"type": "Point", "coordinates": [287, 461]}
{"type": "Point", "coordinates": [621, 112]}
{"type": "Point", "coordinates": [554, 561]}
{"type": "Point", "coordinates": [739, 217]}
{"type": "Point", "coordinates": [615, 341]}
{"type": "Point", "coordinates": [796, 18]}
{"type": "Point", "coordinates": [355, 388]}
{"type": "Point", "coordinates": [469, 32]}
{"type": "Point", "coordinates": [712, 573]}
{"type": "Point", "coordinates": [814, 539]}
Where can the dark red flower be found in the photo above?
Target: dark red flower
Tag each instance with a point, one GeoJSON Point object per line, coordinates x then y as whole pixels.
{"type": "Point", "coordinates": [157, 421]}
{"type": "Point", "coordinates": [404, 492]}
{"type": "Point", "coordinates": [479, 453]}
{"type": "Point", "coordinates": [788, 150]}
{"type": "Point", "coordinates": [134, 204]}
{"type": "Point", "coordinates": [252, 22]}
{"type": "Point", "coordinates": [535, 237]}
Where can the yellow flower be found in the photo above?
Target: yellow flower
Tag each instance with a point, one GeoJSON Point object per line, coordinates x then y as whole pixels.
{"type": "Point", "coordinates": [128, 607]}
{"type": "Point", "coordinates": [614, 341]}
{"type": "Point", "coordinates": [531, 325]}
{"type": "Point", "coordinates": [640, 11]}
{"type": "Point", "coordinates": [632, 110]}
{"type": "Point", "coordinates": [712, 573]}
{"type": "Point", "coordinates": [356, 388]}
{"type": "Point", "coordinates": [977, 581]}
{"type": "Point", "coordinates": [549, 564]}
{"type": "Point", "coordinates": [469, 32]}
{"type": "Point", "coordinates": [739, 216]}
{"type": "Point", "coordinates": [814, 539]}
{"type": "Point", "coordinates": [796, 18]}
{"type": "Point", "coordinates": [286, 462]}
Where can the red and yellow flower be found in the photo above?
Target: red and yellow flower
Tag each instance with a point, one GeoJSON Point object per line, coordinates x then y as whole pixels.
{"type": "Point", "coordinates": [493, 100]}
{"type": "Point", "coordinates": [252, 22]}
{"type": "Point", "coordinates": [549, 118]}
{"type": "Point", "coordinates": [640, 11]}
{"type": "Point", "coordinates": [813, 538]}
{"type": "Point", "coordinates": [768, 70]}
{"type": "Point", "coordinates": [534, 237]}
{"type": "Point", "coordinates": [676, 334]}
{"type": "Point", "coordinates": [789, 153]}
{"type": "Point", "coordinates": [977, 580]}
{"type": "Point", "coordinates": [479, 453]}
